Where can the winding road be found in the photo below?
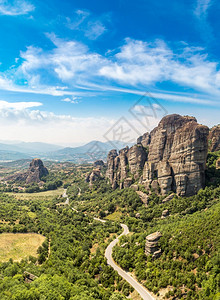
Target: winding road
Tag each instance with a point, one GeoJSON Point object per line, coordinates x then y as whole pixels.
{"type": "Point", "coordinates": [136, 285]}
{"type": "Point", "coordinates": [108, 254]}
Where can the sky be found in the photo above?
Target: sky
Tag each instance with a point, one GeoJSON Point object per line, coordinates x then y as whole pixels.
{"type": "Point", "coordinates": [80, 70]}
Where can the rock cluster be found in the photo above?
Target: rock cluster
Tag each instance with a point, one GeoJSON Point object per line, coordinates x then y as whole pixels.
{"type": "Point", "coordinates": [171, 158]}
{"type": "Point", "coordinates": [214, 139]}
{"type": "Point", "coordinates": [152, 244]}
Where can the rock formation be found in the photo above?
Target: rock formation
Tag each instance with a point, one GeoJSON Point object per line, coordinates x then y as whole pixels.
{"type": "Point", "coordinates": [152, 244]}
{"type": "Point", "coordinates": [171, 158]}
{"type": "Point", "coordinates": [33, 175]}
{"type": "Point", "coordinates": [214, 139]}
{"type": "Point", "coordinates": [144, 197]}
{"type": "Point", "coordinates": [36, 171]}
{"type": "Point", "coordinates": [93, 176]}
{"type": "Point", "coordinates": [144, 140]}
{"type": "Point", "coordinates": [98, 164]}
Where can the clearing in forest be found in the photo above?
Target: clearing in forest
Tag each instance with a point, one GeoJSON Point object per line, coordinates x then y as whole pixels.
{"type": "Point", "coordinates": [19, 245]}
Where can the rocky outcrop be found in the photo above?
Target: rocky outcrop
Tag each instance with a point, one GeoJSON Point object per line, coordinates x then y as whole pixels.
{"type": "Point", "coordinates": [144, 140]}
{"type": "Point", "coordinates": [214, 139]}
{"type": "Point", "coordinates": [36, 171]}
{"type": "Point", "coordinates": [93, 176]}
{"type": "Point", "coordinates": [152, 244]}
{"type": "Point", "coordinates": [171, 158]}
{"type": "Point", "coordinates": [125, 167]}
{"type": "Point", "coordinates": [144, 197]}
{"type": "Point", "coordinates": [177, 155]}
{"type": "Point", "coordinates": [33, 175]}
{"type": "Point", "coordinates": [98, 164]}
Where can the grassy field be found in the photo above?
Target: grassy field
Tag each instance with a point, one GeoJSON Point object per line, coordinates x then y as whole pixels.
{"type": "Point", "coordinates": [19, 245]}
{"type": "Point", "coordinates": [41, 195]}
{"type": "Point", "coordinates": [116, 216]}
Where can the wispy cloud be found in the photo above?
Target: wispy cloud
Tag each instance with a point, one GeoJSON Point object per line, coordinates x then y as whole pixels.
{"type": "Point", "coordinates": [201, 13]}
{"type": "Point", "coordinates": [15, 8]}
{"type": "Point", "coordinates": [144, 63]}
{"type": "Point", "coordinates": [202, 7]}
{"type": "Point", "coordinates": [73, 100]}
{"type": "Point", "coordinates": [79, 17]}
{"type": "Point", "coordinates": [95, 29]}
{"type": "Point", "coordinates": [71, 69]}
{"type": "Point", "coordinates": [84, 21]}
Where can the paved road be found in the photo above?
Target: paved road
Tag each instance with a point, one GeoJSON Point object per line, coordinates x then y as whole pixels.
{"type": "Point", "coordinates": [100, 220]}
{"type": "Point", "coordinates": [137, 286]}
{"type": "Point", "coordinates": [108, 254]}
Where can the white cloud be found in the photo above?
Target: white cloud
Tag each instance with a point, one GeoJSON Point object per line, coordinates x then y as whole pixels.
{"type": "Point", "coordinates": [15, 8]}
{"type": "Point", "coordinates": [70, 69]}
{"type": "Point", "coordinates": [73, 100]}
{"type": "Point", "coordinates": [143, 63]}
{"type": "Point", "coordinates": [20, 121]}
{"type": "Point", "coordinates": [95, 30]}
{"type": "Point", "coordinates": [202, 7]}
{"type": "Point", "coordinates": [69, 59]}
{"type": "Point", "coordinates": [83, 21]}
{"type": "Point", "coordinates": [18, 105]}
{"type": "Point", "coordinates": [201, 13]}
{"type": "Point", "coordinates": [79, 17]}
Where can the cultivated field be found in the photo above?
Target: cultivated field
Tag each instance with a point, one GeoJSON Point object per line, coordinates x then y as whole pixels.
{"type": "Point", "coordinates": [41, 195]}
{"type": "Point", "coordinates": [19, 245]}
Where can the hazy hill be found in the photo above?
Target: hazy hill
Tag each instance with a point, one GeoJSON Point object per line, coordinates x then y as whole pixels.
{"type": "Point", "coordinates": [29, 147]}
{"type": "Point", "coordinates": [86, 153]}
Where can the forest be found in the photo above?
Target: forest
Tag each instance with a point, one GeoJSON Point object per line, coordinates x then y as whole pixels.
{"type": "Point", "coordinates": [70, 264]}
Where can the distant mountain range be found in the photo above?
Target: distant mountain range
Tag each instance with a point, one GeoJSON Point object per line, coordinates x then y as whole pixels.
{"type": "Point", "coordinates": [83, 154]}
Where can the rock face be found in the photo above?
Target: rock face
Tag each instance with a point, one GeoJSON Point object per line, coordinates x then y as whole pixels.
{"type": "Point", "coordinates": [171, 158]}
{"type": "Point", "coordinates": [144, 197]}
{"type": "Point", "coordinates": [152, 244]}
{"type": "Point", "coordinates": [144, 140]}
{"type": "Point", "coordinates": [214, 139]}
{"type": "Point", "coordinates": [36, 171]}
{"type": "Point", "coordinates": [93, 176]}
{"type": "Point", "coordinates": [98, 164]}
{"type": "Point", "coordinates": [33, 175]}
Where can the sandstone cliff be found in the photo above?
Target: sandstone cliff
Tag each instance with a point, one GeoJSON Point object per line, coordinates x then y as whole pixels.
{"type": "Point", "coordinates": [93, 176]}
{"type": "Point", "coordinates": [36, 171]}
{"type": "Point", "coordinates": [171, 158]}
{"type": "Point", "coordinates": [33, 175]}
{"type": "Point", "coordinates": [214, 139]}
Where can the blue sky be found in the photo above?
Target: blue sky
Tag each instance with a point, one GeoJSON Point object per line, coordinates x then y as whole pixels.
{"type": "Point", "coordinates": [70, 69]}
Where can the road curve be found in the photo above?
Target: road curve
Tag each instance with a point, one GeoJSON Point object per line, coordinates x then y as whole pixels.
{"type": "Point", "coordinates": [108, 254]}
{"type": "Point", "coordinates": [137, 286]}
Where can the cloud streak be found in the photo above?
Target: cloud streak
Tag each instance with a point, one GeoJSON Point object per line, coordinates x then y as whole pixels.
{"type": "Point", "coordinates": [15, 8]}
{"type": "Point", "coordinates": [83, 21]}
{"type": "Point", "coordinates": [201, 13]}
{"type": "Point", "coordinates": [70, 69]}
